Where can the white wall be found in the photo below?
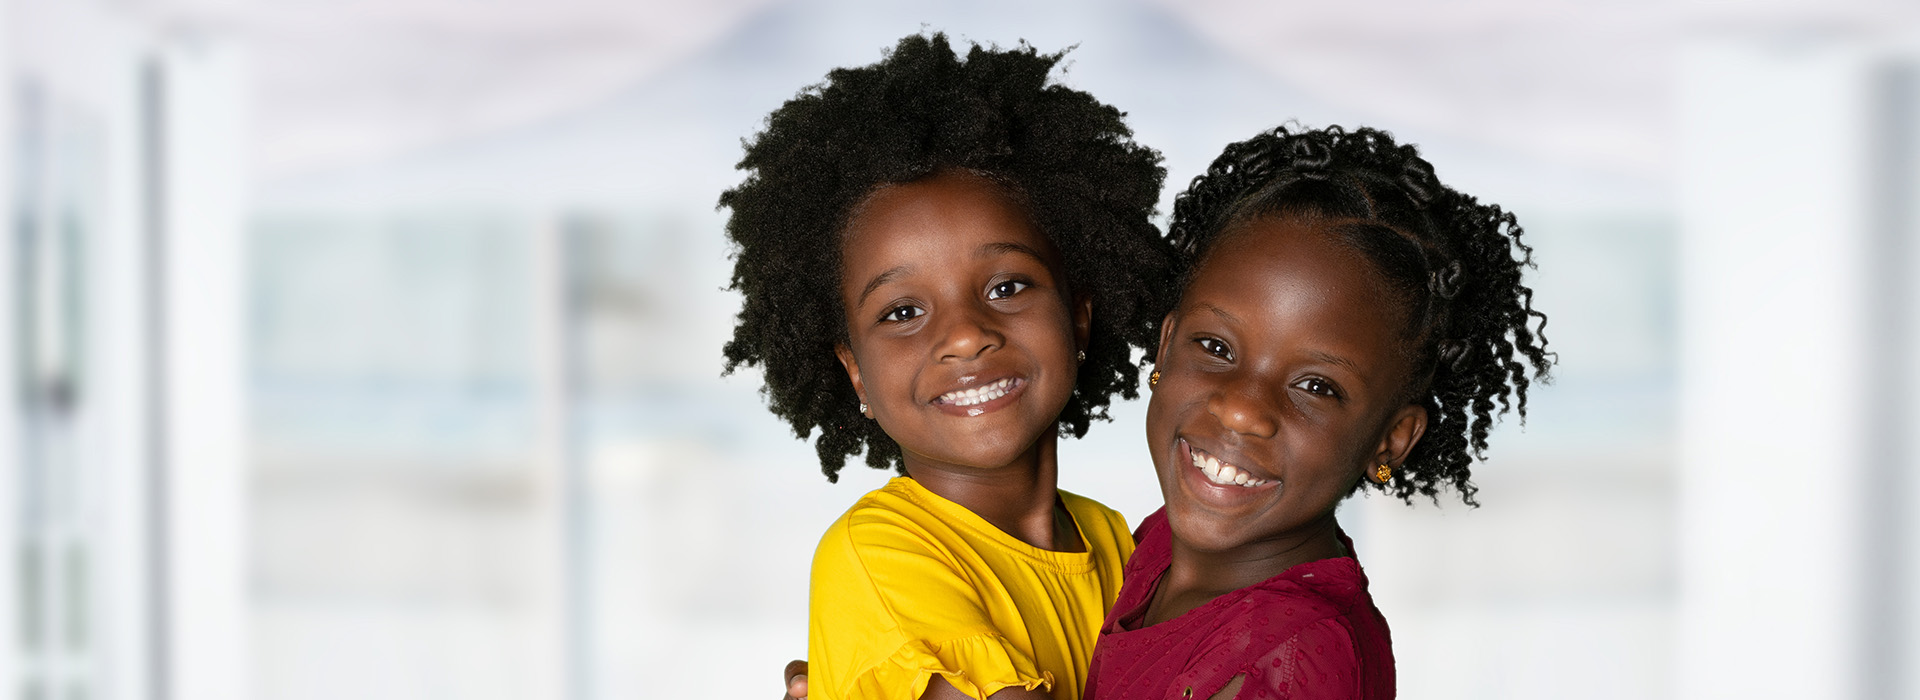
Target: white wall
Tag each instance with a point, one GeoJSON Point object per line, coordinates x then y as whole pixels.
{"type": "Point", "coordinates": [149, 589]}
{"type": "Point", "coordinates": [1782, 356]}
{"type": "Point", "coordinates": [202, 267]}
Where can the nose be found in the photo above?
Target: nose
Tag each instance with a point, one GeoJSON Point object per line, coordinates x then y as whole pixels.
{"type": "Point", "coordinates": [1244, 410]}
{"type": "Point", "coordinates": [968, 333]}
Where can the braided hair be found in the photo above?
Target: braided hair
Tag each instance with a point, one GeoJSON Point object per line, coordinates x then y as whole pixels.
{"type": "Point", "coordinates": [1068, 159]}
{"type": "Point", "coordinates": [1452, 262]}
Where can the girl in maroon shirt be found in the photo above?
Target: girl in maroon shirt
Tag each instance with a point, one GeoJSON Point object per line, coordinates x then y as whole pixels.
{"type": "Point", "coordinates": [1344, 321]}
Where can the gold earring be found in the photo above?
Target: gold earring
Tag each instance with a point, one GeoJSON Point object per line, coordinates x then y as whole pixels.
{"type": "Point", "coordinates": [1382, 473]}
{"type": "Point", "coordinates": [1154, 379]}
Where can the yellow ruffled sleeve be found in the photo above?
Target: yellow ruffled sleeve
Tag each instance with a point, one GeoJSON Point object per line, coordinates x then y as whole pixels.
{"type": "Point", "coordinates": [978, 666]}
{"type": "Point", "coordinates": [893, 605]}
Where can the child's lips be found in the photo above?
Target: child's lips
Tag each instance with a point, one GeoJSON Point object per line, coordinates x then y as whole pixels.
{"type": "Point", "coordinates": [981, 397]}
{"type": "Point", "coordinates": [1220, 475]}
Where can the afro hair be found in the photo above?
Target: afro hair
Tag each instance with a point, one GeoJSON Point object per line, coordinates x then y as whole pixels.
{"type": "Point", "coordinates": [922, 110]}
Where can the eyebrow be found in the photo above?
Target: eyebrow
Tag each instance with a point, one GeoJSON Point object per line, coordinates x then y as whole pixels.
{"type": "Point", "coordinates": [1222, 313]}
{"type": "Point", "coordinates": [1004, 247]}
{"type": "Point", "coordinates": [1337, 360]}
{"type": "Point", "coordinates": [986, 251]}
{"type": "Point", "coordinates": [880, 279]}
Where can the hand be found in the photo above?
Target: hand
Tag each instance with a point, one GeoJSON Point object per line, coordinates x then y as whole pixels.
{"type": "Point", "coordinates": [796, 674]}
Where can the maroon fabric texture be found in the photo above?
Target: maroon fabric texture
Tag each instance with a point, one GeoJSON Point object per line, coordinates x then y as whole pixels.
{"type": "Point", "coordinates": [1310, 632]}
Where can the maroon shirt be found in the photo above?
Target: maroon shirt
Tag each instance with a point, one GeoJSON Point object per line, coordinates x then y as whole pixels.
{"type": "Point", "coordinates": [1310, 632]}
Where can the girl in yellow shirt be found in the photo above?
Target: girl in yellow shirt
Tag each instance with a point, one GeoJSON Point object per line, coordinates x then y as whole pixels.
{"type": "Point", "coordinates": [946, 263]}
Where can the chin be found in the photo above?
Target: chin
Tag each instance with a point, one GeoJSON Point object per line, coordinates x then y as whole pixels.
{"type": "Point", "coordinates": [981, 456]}
{"type": "Point", "coordinates": [1197, 532]}
{"type": "Point", "coordinates": [1200, 534]}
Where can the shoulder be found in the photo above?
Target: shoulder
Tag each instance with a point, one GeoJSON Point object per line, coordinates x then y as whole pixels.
{"type": "Point", "coordinates": [1328, 637]}
{"type": "Point", "coordinates": [886, 563]}
{"type": "Point", "coordinates": [1105, 529]}
{"type": "Point", "coordinates": [1282, 606]}
{"type": "Point", "coordinates": [899, 509]}
{"type": "Point", "coordinates": [886, 519]}
{"type": "Point", "coordinates": [1320, 660]}
{"type": "Point", "coordinates": [1258, 619]}
{"type": "Point", "coordinates": [1298, 641]}
{"type": "Point", "coordinates": [1090, 512]}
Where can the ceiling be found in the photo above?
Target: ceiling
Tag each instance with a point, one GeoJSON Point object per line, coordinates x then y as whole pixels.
{"type": "Point", "coordinates": [344, 82]}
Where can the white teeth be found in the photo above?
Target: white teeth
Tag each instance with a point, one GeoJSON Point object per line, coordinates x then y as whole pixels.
{"type": "Point", "coordinates": [978, 395]}
{"type": "Point", "coordinates": [1222, 473]}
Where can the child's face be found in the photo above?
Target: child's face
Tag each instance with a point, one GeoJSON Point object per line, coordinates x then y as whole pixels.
{"type": "Point", "coordinates": [961, 337]}
{"type": "Point", "coordinates": [1283, 364]}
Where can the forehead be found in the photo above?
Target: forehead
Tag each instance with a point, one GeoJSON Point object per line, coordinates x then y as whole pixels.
{"type": "Point", "coordinates": [1295, 275]}
{"type": "Point", "coordinates": [933, 221]}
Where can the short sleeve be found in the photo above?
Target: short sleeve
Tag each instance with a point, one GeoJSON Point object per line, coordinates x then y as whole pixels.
{"type": "Point", "coordinates": [892, 608]}
{"type": "Point", "coordinates": [1319, 663]}
{"type": "Point", "coordinates": [978, 666]}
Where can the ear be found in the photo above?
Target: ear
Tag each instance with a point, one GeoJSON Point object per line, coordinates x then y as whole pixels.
{"type": "Point", "coordinates": [1082, 321]}
{"type": "Point", "coordinates": [853, 369]}
{"type": "Point", "coordinates": [1403, 432]}
{"type": "Point", "coordinates": [1166, 334]}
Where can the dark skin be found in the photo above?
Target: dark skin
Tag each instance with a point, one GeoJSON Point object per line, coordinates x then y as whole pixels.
{"type": "Point", "coordinates": [962, 336]}
{"type": "Point", "coordinates": [1285, 363]}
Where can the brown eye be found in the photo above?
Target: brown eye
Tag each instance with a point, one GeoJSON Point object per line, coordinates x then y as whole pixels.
{"type": "Point", "coordinates": [1006, 289]}
{"type": "Point", "coordinates": [1216, 348]}
{"type": "Point", "coordinates": [903, 312]}
{"type": "Point", "coordinates": [1318, 386]}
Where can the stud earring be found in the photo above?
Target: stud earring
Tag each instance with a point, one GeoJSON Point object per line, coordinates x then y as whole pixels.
{"type": "Point", "coordinates": [1154, 379]}
{"type": "Point", "coordinates": [1080, 355]}
{"type": "Point", "coordinates": [863, 408]}
{"type": "Point", "coordinates": [1382, 473]}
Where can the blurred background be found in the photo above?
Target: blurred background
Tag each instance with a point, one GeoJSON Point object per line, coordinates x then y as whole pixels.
{"type": "Point", "coordinates": [371, 348]}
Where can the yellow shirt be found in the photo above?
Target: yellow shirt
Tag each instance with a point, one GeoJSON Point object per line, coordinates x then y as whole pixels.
{"type": "Point", "coordinates": [908, 584]}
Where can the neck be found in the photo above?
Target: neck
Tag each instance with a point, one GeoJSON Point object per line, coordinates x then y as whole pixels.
{"type": "Point", "coordinates": [1195, 576]}
{"type": "Point", "coordinates": [1019, 498]}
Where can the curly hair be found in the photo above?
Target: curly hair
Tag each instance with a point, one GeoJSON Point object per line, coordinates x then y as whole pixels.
{"type": "Point", "coordinates": [1067, 158]}
{"type": "Point", "coordinates": [1453, 262]}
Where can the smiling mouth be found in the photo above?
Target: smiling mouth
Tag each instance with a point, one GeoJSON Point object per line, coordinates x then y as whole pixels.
{"type": "Point", "coordinates": [1222, 473]}
{"type": "Point", "coordinates": [979, 394]}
